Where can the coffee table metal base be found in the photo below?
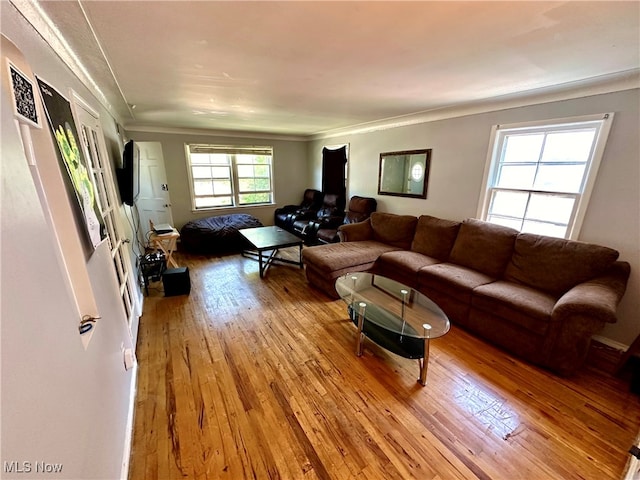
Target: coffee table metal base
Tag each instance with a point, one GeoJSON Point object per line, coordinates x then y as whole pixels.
{"type": "Point", "coordinates": [266, 259]}
{"type": "Point", "coordinates": [413, 348]}
{"type": "Point", "coordinates": [269, 239]}
{"type": "Point", "coordinates": [394, 316]}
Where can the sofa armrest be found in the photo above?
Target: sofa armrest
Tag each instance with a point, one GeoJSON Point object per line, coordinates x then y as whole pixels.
{"type": "Point", "coordinates": [597, 298]}
{"type": "Point", "coordinates": [356, 232]}
{"type": "Point", "coordinates": [580, 313]}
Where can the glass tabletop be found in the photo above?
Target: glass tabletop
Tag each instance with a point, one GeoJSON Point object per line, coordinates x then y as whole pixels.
{"type": "Point", "coordinates": [392, 306]}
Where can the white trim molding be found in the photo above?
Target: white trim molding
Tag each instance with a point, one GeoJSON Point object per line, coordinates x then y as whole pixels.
{"type": "Point", "coordinates": [627, 80]}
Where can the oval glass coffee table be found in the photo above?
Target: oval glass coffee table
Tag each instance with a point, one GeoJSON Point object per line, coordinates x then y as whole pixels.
{"type": "Point", "coordinates": [396, 317]}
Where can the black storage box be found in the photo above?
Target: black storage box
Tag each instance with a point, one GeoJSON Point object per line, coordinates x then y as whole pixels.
{"type": "Point", "coordinates": [176, 281]}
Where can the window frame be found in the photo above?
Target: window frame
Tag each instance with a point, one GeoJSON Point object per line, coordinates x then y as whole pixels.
{"type": "Point", "coordinates": [231, 151]}
{"type": "Point", "coordinates": [602, 121]}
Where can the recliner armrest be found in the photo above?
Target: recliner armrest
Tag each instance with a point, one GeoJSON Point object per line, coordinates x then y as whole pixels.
{"type": "Point", "coordinates": [303, 215]}
{"type": "Point", "coordinates": [311, 231]}
{"type": "Point", "coordinates": [333, 221]}
{"type": "Point", "coordinates": [286, 209]}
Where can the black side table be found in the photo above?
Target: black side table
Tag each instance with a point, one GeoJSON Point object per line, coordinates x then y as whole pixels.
{"type": "Point", "coordinates": [152, 265]}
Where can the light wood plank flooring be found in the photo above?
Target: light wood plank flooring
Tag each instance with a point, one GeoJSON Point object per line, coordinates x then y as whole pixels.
{"type": "Point", "coordinates": [248, 378]}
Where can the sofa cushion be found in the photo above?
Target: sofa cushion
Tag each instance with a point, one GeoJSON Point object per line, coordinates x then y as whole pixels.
{"type": "Point", "coordinates": [435, 237]}
{"type": "Point", "coordinates": [403, 265]}
{"type": "Point", "coordinates": [483, 246]}
{"type": "Point", "coordinates": [554, 265]}
{"type": "Point", "coordinates": [528, 307]}
{"type": "Point", "coordinates": [394, 230]}
{"type": "Point", "coordinates": [454, 280]}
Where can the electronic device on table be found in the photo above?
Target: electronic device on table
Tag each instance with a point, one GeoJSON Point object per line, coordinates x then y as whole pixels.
{"type": "Point", "coordinates": [162, 228]}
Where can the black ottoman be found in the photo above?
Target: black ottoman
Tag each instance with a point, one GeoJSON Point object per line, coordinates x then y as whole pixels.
{"type": "Point", "coordinates": [217, 234]}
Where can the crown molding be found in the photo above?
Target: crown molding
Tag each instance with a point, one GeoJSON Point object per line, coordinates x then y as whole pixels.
{"type": "Point", "coordinates": [216, 133]}
{"type": "Point", "coordinates": [48, 31]}
{"type": "Point", "coordinates": [627, 80]}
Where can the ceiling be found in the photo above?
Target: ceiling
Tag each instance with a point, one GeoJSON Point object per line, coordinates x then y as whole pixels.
{"type": "Point", "coordinates": [302, 68]}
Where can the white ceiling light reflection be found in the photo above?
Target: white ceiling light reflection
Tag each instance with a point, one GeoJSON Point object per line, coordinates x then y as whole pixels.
{"type": "Point", "coordinates": [416, 172]}
{"type": "Point", "coordinates": [210, 112]}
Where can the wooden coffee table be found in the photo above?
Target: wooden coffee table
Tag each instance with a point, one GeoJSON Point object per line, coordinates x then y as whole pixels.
{"type": "Point", "coordinates": [265, 243]}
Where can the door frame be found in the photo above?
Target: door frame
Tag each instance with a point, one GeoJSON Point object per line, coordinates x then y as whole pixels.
{"type": "Point", "coordinates": [124, 269]}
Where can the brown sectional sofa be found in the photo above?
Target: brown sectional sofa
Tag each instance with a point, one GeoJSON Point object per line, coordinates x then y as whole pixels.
{"type": "Point", "coordinates": [540, 298]}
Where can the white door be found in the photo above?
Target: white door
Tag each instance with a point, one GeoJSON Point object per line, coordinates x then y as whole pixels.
{"type": "Point", "coordinates": [92, 137]}
{"type": "Point", "coordinates": [154, 202]}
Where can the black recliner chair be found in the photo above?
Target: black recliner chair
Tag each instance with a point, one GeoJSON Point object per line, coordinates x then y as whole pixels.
{"type": "Point", "coordinates": [311, 202]}
{"type": "Point", "coordinates": [325, 230]}
{"type": "Point", "coordinates": [332, 208]}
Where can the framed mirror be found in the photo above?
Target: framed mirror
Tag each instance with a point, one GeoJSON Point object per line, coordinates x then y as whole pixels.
{"type": "Point", "coordinates": [404, 174]}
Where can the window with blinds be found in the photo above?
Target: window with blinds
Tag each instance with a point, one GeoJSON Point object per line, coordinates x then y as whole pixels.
{"type": "Point", "coordinates": [228, 176]}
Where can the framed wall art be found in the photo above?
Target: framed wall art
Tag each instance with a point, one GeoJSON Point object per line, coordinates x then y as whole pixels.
{"type": "Point", "coordinates": [404, 174]}
{"type": "Point", "coordinates": [23, 96]}
{"type": "Point", "coordinates": [72, 161]}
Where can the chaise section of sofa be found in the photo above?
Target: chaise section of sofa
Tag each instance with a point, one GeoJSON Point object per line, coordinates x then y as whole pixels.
{"type": "Point", "coordinates": [325, 263]}
{"type": "Point", "coordinates": [362, 243]}
{"type": "Point", "coordinates": [537, 297]}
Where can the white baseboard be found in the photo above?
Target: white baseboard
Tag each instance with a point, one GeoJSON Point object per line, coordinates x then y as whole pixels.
{"type": "Point", "coordinates": [611, 343]}
{"type": "Point", "coordinates": [128, 439]}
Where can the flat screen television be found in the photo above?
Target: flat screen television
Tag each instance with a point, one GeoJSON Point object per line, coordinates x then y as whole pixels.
{"type": "Point", "coordinates": [129, 174]}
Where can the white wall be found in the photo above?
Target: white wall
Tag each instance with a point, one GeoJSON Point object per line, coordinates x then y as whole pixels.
{"type": "Point", "coordinates": [457, 167]}
{"type": "Point", "coordinates": [60, 403]}
{"type": "Point", "coordinates": [290, 169]}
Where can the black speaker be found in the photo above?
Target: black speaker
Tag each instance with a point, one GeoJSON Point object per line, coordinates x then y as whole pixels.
{"type": "Point", "coordinates": [176, 281]}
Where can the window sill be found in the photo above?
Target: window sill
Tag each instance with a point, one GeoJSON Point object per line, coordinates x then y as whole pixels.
{"type": "Point", "coordinates": [234, 209]}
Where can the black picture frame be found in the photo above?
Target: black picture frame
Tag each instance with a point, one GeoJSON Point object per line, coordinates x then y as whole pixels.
{"type": "Point", "coordinates": [23, 96]}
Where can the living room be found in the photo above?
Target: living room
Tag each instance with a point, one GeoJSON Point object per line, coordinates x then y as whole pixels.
{"type": "Point", "coordinates": [91, 397]}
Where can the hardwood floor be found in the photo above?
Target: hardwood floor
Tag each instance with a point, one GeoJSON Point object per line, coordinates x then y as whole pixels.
{"type": "Point", "coordinates": [250, 378]}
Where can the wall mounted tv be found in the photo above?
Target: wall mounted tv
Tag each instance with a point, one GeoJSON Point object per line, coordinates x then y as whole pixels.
{"type": "Point", "coordinates": [129, 174]}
